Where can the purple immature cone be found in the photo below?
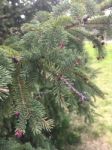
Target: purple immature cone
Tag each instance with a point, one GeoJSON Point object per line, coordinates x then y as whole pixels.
{"type": "Point", "coordinates": [19, 133]}
{"type": "Point", "coordinates": [17, 114]}
{"type": "Point", "coordinates": [15, 60]}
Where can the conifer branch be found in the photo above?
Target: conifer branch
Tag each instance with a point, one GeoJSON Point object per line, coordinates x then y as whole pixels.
{"type": "Point", "coordinates": [106, 4]}
{"type": "Point", "coordinates": [20, 89]}
{"type": "Point", "coordinates": [85, 25]}
{"type": "Point", "coordinates": [72, 88]}
{"type": "Point", "coordinates": [4, 90]}
{"type": "Point", "coordinates": [4, 17]}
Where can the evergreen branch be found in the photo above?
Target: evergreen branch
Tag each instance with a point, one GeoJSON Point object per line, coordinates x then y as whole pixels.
{"type": "Point", "coordinates": [85, 25]}
{"type": "Point", "coordinates": [4, 90]}
{"type": "Point", "coordinates": [4, 17]}
{"type": "Point", "coordinates": [106, 4]}
{"type": "Point", "coordinates": [20, 89]}
{"type": "Point", "coordinates": [86, 79]}
{"type": "Point", "coordinates": [72, 25]}
{"type": "Point", "coordinates": [20, 82]}
{"type": "Point", "coordinates": [47, 124]}
{"type": "Point", "coordinates": [95, 20]}
{"type": "Point", "coordinates": [71, 87]}
{"type": "Point", "coordinates": [30, 9]}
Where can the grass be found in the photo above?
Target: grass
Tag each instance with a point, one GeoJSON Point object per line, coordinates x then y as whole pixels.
{"type": "Point", "coordinates": [103, 123]}
{"type": "Point", "coordinates": [98, 136]}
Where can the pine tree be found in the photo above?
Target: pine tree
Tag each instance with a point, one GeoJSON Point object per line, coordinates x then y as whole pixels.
{"type": "Point", "coordinates": [13, 13]}
{"type": "Point", "coordinates": [44, 76]}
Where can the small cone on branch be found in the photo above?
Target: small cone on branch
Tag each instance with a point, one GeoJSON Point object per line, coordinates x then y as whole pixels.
{"type": "Point", "coordinates": [98, 58]}
{"type": "Point", "coordinates": [61, 45]}
{"type": "Point", "coordinates": [78, 62]}
{"type": "Point", "coordinates": [19, 133]}
{"type": "Point", "coordinates": [17, 114]}
{"type": "Point", "coordinates": [102, 43]}
{"type": "Point", "coordinates": [15, 60]}
{"type": "Point", "coordinates": [85, 19]}
{"type": "Point", "coordinates": [102, 37]}
{"type": "Point", "coordinates": [97, 35]}
{"type": "Point", "coordinates": [94, 46]}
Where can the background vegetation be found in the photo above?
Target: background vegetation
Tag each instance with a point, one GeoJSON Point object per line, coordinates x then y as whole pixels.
{"type": "Point", "coordinates": [54, 75]}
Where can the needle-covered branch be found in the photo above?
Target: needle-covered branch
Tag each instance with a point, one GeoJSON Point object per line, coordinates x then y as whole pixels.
{"type": "Point", "coordinates": [4, 90]}
{"type": "Point", "coordinates": [72, 88]}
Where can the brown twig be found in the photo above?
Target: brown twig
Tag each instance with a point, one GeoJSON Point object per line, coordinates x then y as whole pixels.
{"type": "Point", "coordinates": [72, 88]}
{"type": "Point", "coordinates": [85, 25]}
{"type": "Point", "coordinates": [4, 90]}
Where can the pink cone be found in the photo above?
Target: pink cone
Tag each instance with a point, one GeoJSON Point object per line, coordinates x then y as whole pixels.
{"type": "Point", "coordinates": [62, 45]}
{"type": "Point", "coordinates": [19, 133]}
{"type": "Point", "coordinates": [17, 114]}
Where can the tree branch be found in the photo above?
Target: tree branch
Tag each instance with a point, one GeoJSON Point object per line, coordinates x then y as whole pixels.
{"type": "Point", "coordinates": [28, 10]}
{"type": "Point", "coordinates": [72, 88]}
{"type": "Point", "coordinates": [85, 25]}
{"type": "Point", "coordinates": [4, 90]}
